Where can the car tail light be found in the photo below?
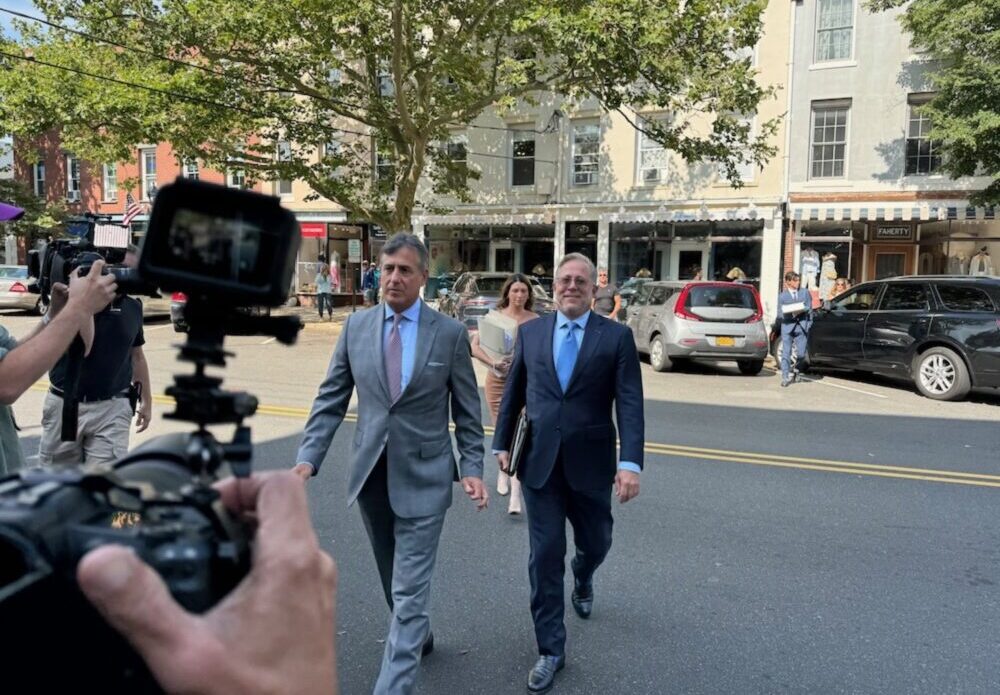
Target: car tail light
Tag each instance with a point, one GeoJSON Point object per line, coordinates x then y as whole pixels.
{"type": "Point", "coordinates": [18, 287]}
{"type": "Point", "coordinates": [690, 341]}
{"type": "Point", "coordinates": [178, 297]}
{"type": "Point", "coordinates": [758, 315]}
{"type": "Point", "coordinates": [680, 310]}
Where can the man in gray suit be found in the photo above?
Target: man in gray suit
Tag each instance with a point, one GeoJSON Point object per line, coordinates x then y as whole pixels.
{"type": "Point", "coordinates": [411, 366]}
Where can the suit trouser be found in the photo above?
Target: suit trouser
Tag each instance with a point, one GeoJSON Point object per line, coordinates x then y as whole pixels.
{"type": "Point", "coordinates": [589, 513]}
{"type": "Point", "coordinates": [797, 336]}
{"type": "Point", "coordinates": [405, 551]}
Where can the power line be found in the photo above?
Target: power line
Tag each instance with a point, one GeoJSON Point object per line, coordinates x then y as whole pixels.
{"type": "Point", "coordinates": [204, 68]}
{"type": "Point", "coordinates": [216, 104]}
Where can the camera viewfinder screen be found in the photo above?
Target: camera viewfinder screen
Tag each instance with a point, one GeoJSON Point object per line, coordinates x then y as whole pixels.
{"type": "Point", "coordinates": [226, 248]}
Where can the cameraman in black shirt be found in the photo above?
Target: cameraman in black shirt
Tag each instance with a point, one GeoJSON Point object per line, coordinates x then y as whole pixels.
{"type": "Point", "coordinates": [105, 393]}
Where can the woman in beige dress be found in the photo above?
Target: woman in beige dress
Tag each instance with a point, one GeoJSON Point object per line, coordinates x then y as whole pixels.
{"type": "Point", "coordinates": [516, 299]}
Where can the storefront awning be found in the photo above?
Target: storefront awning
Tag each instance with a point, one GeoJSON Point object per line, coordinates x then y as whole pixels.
{"type": "Point", "coordinates": [702, 214]}
{"type": "Point", "coordinates": [923, 211]}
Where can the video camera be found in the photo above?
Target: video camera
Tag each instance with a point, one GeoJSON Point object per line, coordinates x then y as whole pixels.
{"type": "Point", "coordinates": [56, 261]}
{"type": "Point", "coordinates": [225, 249]}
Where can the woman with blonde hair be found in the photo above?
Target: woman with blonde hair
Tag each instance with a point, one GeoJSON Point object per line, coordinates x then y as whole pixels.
{"type": "Point", "coordinates": [516, 300]}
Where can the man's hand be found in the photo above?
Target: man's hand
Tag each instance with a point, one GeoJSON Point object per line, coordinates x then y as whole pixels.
{"type": "Point", "coordinates": [57, 299]}
{"type": "Point", "coordinates": [143, 414]}
{"type": "Point", "coordinates": [92, 292]}
{"type": "Point", "coordinates": [503, 459]}
{"type": "Point", "coordinates": [626, 485]}
{"type": "Point", "coordinates": [273, 633]}
{"type": "Point", "coordinates": [303, 470]}
{"type": "Point", "coordinates": [476, 491]}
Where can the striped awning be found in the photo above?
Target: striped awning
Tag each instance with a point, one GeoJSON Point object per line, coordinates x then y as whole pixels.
{"type": "Point", "coordinates": [700, 214]}
{"type": "Point", "coordinates": [890, 212]}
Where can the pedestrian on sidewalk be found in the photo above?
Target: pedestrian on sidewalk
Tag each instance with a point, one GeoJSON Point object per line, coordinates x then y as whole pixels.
{"type": "Point", "coordinates": [607, 301]}
{"type": "Point", "coordinates": [324, 291]}
{"type": "Point", "coordinates": [794, 319]}
{"type": "Point", "coordinates": [516, 300]}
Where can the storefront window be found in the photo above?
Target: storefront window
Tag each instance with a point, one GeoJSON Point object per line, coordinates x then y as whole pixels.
{"type": "Point", "coordinates": [974, 248]}
{"type": "Point", "coordinates": [932, 256]}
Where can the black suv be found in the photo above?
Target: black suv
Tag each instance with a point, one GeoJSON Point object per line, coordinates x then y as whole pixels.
{"type": "Point", "coordinates": [941, 331]}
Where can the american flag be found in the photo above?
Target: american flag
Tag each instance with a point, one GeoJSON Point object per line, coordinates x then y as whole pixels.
{"type": "Point", "coordinates": [132, 210]}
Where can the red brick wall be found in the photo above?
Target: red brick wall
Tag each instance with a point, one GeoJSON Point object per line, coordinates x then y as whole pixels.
{"type": "Point", "coordinates": [48, 148]}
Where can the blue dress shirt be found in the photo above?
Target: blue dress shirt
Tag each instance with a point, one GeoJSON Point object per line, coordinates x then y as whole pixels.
{"type": "Point", "coordinates": [407, 334]}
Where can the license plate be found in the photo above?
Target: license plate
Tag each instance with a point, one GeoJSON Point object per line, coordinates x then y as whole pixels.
{"type": "Point", "coordinates": [725, 341]}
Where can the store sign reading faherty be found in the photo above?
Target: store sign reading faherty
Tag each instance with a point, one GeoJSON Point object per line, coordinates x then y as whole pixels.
{"type": "Point", "coordinates": [896, 233]}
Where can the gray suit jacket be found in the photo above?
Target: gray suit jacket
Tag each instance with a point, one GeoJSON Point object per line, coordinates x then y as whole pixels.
{"type": "Point", "coordinates": [414, 431]}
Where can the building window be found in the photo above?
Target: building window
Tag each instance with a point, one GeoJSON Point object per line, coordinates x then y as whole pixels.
{"type": "Point", "coordinates": [922, 153]}
{"type": "Point", "coordinates": [284, 154]}
{"type": "Point", "coordinates": [385, 168]}
{"type": "Point", "coordinates": [586, 152]}
{"type": "Point", "coordinates": [652, 161]}
{"type": "Point", "coordinates": [829, 139]}
{"type": "Point", "coordinates": [747, 171]}
{"type": "Point", "coordinates": [38, 175]}
{"type": "Point", "coordinates": [522, 167]}
{"type": "Point", "coordinates": [457, 152]}
{"type": "Point", "coordinates": [386, 87]}
{"type": "Point", "coordinates": [109, 180]}
{"type": "Point", "coordinates": [72, 179]}
{"type": "Point", "coordinates": [834, 29]}
{"type": "Point", "coordinates": [236, 178]}
{"type": "Point", "coordinates": [190, 169]}
{"type": "Point", "coordinates": [148, 174]}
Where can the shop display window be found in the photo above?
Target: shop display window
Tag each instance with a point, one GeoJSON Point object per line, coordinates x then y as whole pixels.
{"type": "Point", "coordinates": [974, 249]}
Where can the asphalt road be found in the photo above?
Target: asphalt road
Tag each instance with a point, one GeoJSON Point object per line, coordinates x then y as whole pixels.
{"type": "Point", "coordinates": [834, 537]}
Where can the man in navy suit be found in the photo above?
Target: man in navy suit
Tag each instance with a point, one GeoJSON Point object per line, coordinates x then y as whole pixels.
{"type": "Point", "coordinates": [569, 369]}
{"type": "Point", "coordinates": [795, 324]}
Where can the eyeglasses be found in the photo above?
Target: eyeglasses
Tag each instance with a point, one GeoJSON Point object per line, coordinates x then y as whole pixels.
{"type": "Point", "coordinates": [566, 281]}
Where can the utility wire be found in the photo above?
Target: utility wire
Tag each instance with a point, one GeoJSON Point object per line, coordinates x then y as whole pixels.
{"type": "Point", "coordinates": [216, 104]}
{"type": "Point", "coordinates": [216, 73]}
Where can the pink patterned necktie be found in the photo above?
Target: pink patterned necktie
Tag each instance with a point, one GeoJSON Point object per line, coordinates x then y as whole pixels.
{"type": "Point", "coordinates": [394, 360]}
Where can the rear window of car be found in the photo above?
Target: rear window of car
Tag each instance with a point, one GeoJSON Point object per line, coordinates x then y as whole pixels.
{"type": "Point", "coordinates": [964, 298]}
{"type": "Point", "coordinates": [715, 296]}
{"type": "Point", "coordinates": [490, 285]}
{"type": "Point", "coordinates": [14, 273]}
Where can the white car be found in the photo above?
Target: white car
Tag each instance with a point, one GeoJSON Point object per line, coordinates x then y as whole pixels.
{"type": "Point", "coordinates": [15, 289]}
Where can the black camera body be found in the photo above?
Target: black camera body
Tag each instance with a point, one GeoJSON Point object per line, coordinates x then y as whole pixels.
{"type": "Point", "coordinates": [58, 259]}
{"type": "Point", "coordinates": [226, 249]}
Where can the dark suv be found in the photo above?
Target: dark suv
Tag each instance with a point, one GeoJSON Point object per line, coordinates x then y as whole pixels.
{"type": "Point", "coordinates": [943, 332]}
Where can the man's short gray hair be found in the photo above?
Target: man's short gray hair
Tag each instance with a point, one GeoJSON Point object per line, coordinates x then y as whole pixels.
{"type": "Point", "coordinates": [581, 258]}
{"type": "Point", "coordinates": [405, 240]}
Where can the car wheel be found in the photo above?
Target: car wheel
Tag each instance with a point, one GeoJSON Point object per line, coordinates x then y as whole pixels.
{"type": "Point", "coordinates": [942, 375]}
{"type": "Point", "coordinates": [658, 355]}
{"type": "Point", "coordinates": [750, 367]}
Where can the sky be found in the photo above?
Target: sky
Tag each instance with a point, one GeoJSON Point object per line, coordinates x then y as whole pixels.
{"type": "Point", "coordinates": [26, 6]}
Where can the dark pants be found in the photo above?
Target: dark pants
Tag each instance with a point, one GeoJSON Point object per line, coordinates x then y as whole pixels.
{"type": "Point", "coordinates": [548, 507]}
{"type": "Point", "coordinates": [325, 299]}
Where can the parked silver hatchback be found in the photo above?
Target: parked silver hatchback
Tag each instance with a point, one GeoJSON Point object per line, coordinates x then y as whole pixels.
{"type": "Point", "coordinates": [710, 321]}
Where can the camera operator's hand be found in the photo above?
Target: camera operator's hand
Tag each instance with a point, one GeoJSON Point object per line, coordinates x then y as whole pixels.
{"type": "Point", "coordinates": [57, 299]}
{"type": "Point", "coordinates": [93, 291]}
{"type": "Point", "coordinates": [274, 633]}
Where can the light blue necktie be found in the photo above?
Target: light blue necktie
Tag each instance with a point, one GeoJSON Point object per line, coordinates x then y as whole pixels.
{"type": "Point", "coordinates": [567, 356]}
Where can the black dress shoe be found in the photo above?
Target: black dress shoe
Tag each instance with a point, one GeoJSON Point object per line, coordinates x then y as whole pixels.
{"type": "Point", "coordinates": [583, 597]}
{"type": "Point", "coordinates": [428, 645]}
{"type": "Point", "coordinates": [543, 673]}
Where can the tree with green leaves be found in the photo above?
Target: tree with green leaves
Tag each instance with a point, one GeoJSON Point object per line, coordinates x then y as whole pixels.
{"type": "Point", "coordinates": [310, 89]}
{"type": "Point", "coordinates": [963, 38]}
{"type": "Point", "coordinates": [40, 218]}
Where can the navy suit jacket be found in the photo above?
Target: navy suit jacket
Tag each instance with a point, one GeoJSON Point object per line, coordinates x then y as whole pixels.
{"type": "Point", "coordinates": [577, 422]}
{"type": "Point", "coordinates": [803, 320]}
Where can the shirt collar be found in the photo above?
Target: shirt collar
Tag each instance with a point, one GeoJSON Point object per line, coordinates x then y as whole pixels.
{"type": "Point", "coordinates": [412, 314]}
{"type": "Point", "coordinates": [562, 320]}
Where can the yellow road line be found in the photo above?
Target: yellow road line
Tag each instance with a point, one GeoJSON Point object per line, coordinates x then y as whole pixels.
{"type": "Point", "coordinates": [722, 455]}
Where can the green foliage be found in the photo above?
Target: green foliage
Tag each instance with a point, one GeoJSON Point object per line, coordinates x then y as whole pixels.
{"type": "Point", "coordinates": [963, 37]}
{"type": "Point", "coordinates": [405, 72]}
{"type": "Point", "coordinates": [40, 218]}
